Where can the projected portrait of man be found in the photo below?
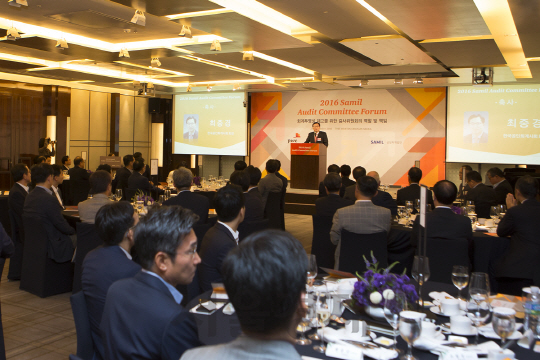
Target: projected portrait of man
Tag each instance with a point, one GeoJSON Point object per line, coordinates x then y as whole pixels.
{"type": "Point", "coordinates": [477, 129]}
{"type": "Point", "coordinates": [191, 127]}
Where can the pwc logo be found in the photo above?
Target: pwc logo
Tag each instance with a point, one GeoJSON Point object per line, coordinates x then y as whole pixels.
{"type": "Point", "coordinates": [295, 139]}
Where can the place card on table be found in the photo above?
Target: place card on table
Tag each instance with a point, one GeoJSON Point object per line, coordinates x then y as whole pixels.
{"type": "Point", "coordinates": [458, 354]}
{"type": "Point", "coordinates": [218, 291]}
{"type": "Point", "coordinates": [343, 351]}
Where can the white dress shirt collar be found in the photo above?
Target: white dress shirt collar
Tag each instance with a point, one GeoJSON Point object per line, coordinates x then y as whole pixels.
{"type": "Point", "coordinates": [235, 234]}
{"type": "Point", "coordinates": [27, 188]}
{"type": "Point", "coordinates": [126, 253]}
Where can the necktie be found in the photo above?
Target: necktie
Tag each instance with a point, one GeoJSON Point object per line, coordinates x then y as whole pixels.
{"type": "Point", "coordinates": [316, 136]}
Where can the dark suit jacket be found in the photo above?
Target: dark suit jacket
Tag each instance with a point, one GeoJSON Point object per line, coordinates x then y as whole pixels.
{"type": "Point", "coordinates": [101, 268]}
{"type": "Point", "coordinates": [327, 206]}
{"type": "Point", "coordinates": [216, 244]}
{"type": "Point", "coordinates": [443, 223]}
{"type": "Point", "coordinates": [467, 139]}
{"type": "Point", "coordinates": [322, 138]}
{"type": "Point", "coordinates": [141, 320]}
{"type": "Point", "coordinates": [64, 167]}
{"type": "Point", "coordinates": [322, 191]}
{"type": "Point", "coordinates": [254, 205]}
{"type": "Point", "coordinates": [16, 198]}
{"type": "Point", "coordinates": [80, 186]}
{"type": "Point", "coordinates": [121, 178]}
{"type": "Point", "coordinates": [285, 184]}
{"type": "Point", "coordinates": [345, 182]}
{"type": "Point", "coordinates": [197, 203]}
{"type": "Point", "coordinates": [348, 194]}
{"type": "Point", "coordinates": [44, 207]}
{"type": "Point", "coordinates": [7, 248]}
{"type": "Point", "coordinates": [462, 189]}
{"type": "Point", "coordinates": [141, 182]}
{"type": "Point", "coordinates": [484, 198]}
{"type": "Point", "coordinates": [522, 225]}
{"type": "Point", "coordinates": [503, 189]}
{"type": "Point", "coordinates": [411, 193]}
{"type": "Point", "coordinates": [384, 199]}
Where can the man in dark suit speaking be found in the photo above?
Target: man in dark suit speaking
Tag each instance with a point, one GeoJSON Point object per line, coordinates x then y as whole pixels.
{"type": "Point", "coordinates": [317, 136]}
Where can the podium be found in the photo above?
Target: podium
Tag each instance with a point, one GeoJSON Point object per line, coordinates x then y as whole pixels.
{"type": "Point", "coordinates": [308, 165]}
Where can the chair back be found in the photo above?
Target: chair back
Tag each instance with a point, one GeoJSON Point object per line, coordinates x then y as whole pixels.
{"type": "Point", "coordinates": [321, 246]}
{"type": "Point", "coordinates": [355, 246]}
{"type": "Point", "coordinates": [79, 190]}
{"type": "Point", "coordinates": [85, 344]}
{"type": "Point", "coordinates": [87, 240]}
{"type": "Point", "coordinates": [17, 235]}
{"type": "Point", "coordinates": [443, 254]}
{"type": "Point", "coordinates": [247, 228]}
{"type": "Point", "coordinates": [40, 275]}
{"type": "Point", "coordinates": [272, 210]}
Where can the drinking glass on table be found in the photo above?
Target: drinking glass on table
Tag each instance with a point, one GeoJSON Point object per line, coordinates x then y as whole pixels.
{"type": "Point", "coordinates": [494, 212]}
{"type": "Point", "coordinates": [502, 211]}
{"type": "Point", "coordinates": [167, 194]}
{"type": "Point", "coordinates": [311, 269]}
{"type": "Point", "coordinates": [504, 322]}
{"type": "Point", "coordinates": [417, 205]}
{"type": "Point", "coordinates": [161, 199]}
{"type": "Point", "coordinates": [323, 310]}
{"type": "Point", "coordinates": [410, 328]}
{"type": "Point", "coordinates": [420, 272]}
{"type": "Point", "coordinates": [304, 323]}
{"type": "Point", "coordinates": [119, 194]}
{"type": "Point", "coordinates": [460, 277]}
{"type": "Point", "coordinates": [409, 207]}
{"type": "Point", "coordinates": [478, 308]}
{"type": "Point", "coordinates": [393, 305]}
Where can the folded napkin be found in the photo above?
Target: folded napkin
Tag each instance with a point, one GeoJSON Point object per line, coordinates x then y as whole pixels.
{"type": "Point", "coordinates": [481, 349]}
{"type": "Point", "coordinates": [336, 336]}
{"type": "Point", "coordinates": [439, 296]}
{"type": "Point", "coordinates": [487, 331]}
{"type": "Point", "coordinates": [428, 344]}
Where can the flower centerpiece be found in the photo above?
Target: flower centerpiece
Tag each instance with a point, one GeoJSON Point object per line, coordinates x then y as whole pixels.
{"type": "Point", "coordinates": [141, 196]}
{"type": "Point", "coordinates": [376, 285]}
{"type": "Point", "coordinates": [197, 181]}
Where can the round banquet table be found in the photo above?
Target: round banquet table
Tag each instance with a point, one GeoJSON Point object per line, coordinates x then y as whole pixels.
{"type": "Point", "coordinates": [219, 328]}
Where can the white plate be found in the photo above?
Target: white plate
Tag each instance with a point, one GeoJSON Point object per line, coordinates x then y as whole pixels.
{"type": "Point", "coordinates": [490, 334]}
{"type": "Point", "coordinates": [438, 336]}
{"type": "Point", "coordinates": [472, 333]}
{"type": "Point", "coordinates": [436, 311]}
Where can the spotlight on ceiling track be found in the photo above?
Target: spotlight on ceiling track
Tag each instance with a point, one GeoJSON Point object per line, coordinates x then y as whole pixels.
{"type": "Point", "coordinates": [18, 3]}
{"type": "Point", "coordinates": [150, 85]}
{"type": "Point", "coordinates": [123, 53]}
{"type": "Point", "coordinates": [186, 31]}
{"type": "Point", "coordinates": [13, 34]}
{"type": "Point", "coordinates": [155, 62]}
{"type": "Point", "coordinates": [363, 83]}
{"type": "Point", "coordinates": [482, 77]}
{"type": "Point", "coordinates": [62, 43]}
{"type": "Point", "coordinates": [136, 83]}
{"type": "Point", "coordinates": [188, 88]}
{"type": "Point", "coordinates": [215, 46]}
{"type": "Point", "coordinates": [398, 82]}
{"type": "Point", "coordinates": [139, 18]}
{"type": "Point", "coordinates": [248, 56]}
{"type": "Point", "coordinates": [208, 88]}
{"type": "Point", "coordinates": [236, 87]}
{"type": "Point", "coordinates": [418, 81]}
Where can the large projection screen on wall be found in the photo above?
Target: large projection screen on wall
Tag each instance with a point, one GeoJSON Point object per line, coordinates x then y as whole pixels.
{"type": "Point", "coordinates": [210, 124]}
{"type": "Point", "coordinates": [499, 124]}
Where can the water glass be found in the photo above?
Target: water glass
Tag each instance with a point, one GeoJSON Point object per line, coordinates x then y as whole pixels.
{"type": "Point", "coordinates": [90, 196]}
{"type": "Point", "coordinates": [323, 310]}
{"type": "Point", "coordinates": [304, 323]}
{"type": "Point", "coordinates": [167, 194]}
{"type": "Point", "coordinates": [420, 273]}
{"type": "Point", "coordinates": [460, 278]}
{"type": "Point", "coordinates": [417, 205]}
{"type": "Point", "coordinates": [504, 322]}
{"type": "Point", "coordinates": [478, 310]}
{"type": "Point", "coordinates": [410, 328]}
{"type": "Point", "coordinates": [494, 212]}
{"type": "Point", "coordinates": [119, 194]}
{"type": "Point", "coordinates": [311, 269]}
{"type": "Point", "coordinates": [409, 207]}
{"type": "Point", "coordinates": [392, 308]}
{"type": "Point", "coordinates": [161, 199]}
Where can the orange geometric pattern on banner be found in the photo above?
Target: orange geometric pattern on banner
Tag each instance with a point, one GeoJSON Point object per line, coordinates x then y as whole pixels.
{"type": "Point", "coordinates": [431, 164]}
{"type": "Point", "coordinates": [260, 105]}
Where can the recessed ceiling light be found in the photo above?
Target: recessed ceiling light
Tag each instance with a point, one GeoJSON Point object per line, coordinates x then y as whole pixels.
{"type": "Point", "coordinates": [155, 62]}
{"type": "Point", "coordinates": [208, 88]}
{"type": "Point", "coordinates": [139, 18]}
{"type": "Point", "coordinates": [363, 83]}
{"type": "Point", "coordinates": [418, 80]}
{"type": "Point", "coordinates": [123, 53]}
{"type": "Point", "coordinates": [62, 43]}
{"type": "Point", "coordinates": [13, 34]}
{"type": "Point", "coordinates": [248, 56]}
{"type": "Point", "coordinates": [186, 32]}
{"type": "Point", "coordinates": [18, 3]}
{"type": "Point", "coordinates": [215, 46]}
{"type": "Point", "coordinates": [398, 82]}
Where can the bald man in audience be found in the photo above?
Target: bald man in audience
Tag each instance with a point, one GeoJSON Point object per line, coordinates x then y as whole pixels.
{"type": "Point", "coordinates": [331, 169]}
{"type": "Point", "coordinates": [383, 198]}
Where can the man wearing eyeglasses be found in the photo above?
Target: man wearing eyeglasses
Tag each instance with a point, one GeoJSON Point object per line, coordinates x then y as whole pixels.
{"type": "Point", "coordinates": [476, 127]}
{"type": "Point", "coordinates": [143, 318]}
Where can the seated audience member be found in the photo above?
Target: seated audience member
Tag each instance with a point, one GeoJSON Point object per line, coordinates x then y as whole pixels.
{"type": "Point", "coordinates": [412, 192]}
{"type": "Point", "coordinates": [383, 198]}
{"type": "Point", "coordinates": [483, 196]}
{"type": "Point", "coordinates": [284, 180]}
{"type": "Point", "coordinates": [58, 178]}
{"type": "Point", "coordinates": [78, 177]}
{"type": "Point", "coordinates": [137, 180]}
{"type": "Point", "coordinates": [123, 174]}
{"type": "Point", "coordinates": [41, 205]}
{"type": "Point", "coordinates": [253, 204]}
{"type": "Point", "coordinates": [442, 222]}
{"type": "Point", "coordinates": [142, 317]}
{"type": "Point", "coordinates": [331, 169]}
{"type": "Point", "coordinates": [327, 205]}
{"type": "Point", "coordinates": [105, 167]}
{"type": "Point", "coordinates": [254, 178]}
{"type": "Point", "coordinates": [463, 189]}
{"type": "Point", "coordinates": [17, 195]}
{"type": "Point", "coordinates": [108, 263]}
{"type": "Point", "coordinates": [48, 159]}
{"type": "Point", "coordinates": [66, 162]}
{"type": "Point", "coordinates": [516, 269]}
{"type": "Point", "coordinates": [170, 180]}
{"type": "Point", "coordinates": [146, 173]}
{"type": "Point", "coordinates": [350, 191]}
{"type": "Point", "coordinates": [222, 237]}
{"type": "Point", "coordinates": [199, 204]}
{"type": "Point", "coordinates": [101, 183]}
{"type": "Point", "coordinates": [363, 217]}
{"type": "Point", "coordinates": [269, 266]}
{"type": "Point", "coordinates": [345, 172]}
{"type": "Point", "coordinates": [240, 165]}
{"type": "Point", "coordinates": [38, 160]}
{"type": "Point", "coordinates": [270, 183]}
{"type": "Point", "coordinates": [501, 186]}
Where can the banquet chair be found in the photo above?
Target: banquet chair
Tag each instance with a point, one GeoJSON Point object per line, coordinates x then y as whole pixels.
{"type": "Point", "coordinates": [321, 246]}
{"type": "Point", "coordinates": [247, 228]}
{"type": "Point", "coordinates": [443, 254]}
{"type": "Point", "coordinates": [200, 230]}
{"type": "Point", "coordinates": [272, 210]}
{"type": "Point", "coordinates": [87, 240]}
{"type": "Point", "coordinates": [40, 275]}
{"type": "Point", "coordinates": [85, 344]}
{"type": "Point", "coordinates": [355, 246]}
{"type": "Point", "coordinates": [15, 262]}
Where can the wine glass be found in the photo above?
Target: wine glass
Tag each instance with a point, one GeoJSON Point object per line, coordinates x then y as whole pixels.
{"type": "Point", "coordinates": [460, 277]}
{"type": "Point", "coordinates": [306, 320]}
{"type": "Point", "coordinates": [420, 273]}
{"type": "Point", "coordinates": [410, 328]}
{"type": "Point", "coordinates": [311, 269]}
{"type": "Point", "coordinates": [504, 322]}
{"type": "Point", "coordinates": [417, 205]}
{"type": "Point", "coordinates": [409, 207]}
{"type": "Point", "coordinates": [161, 199]}
{"type": "Point", "coordinates": [478, 308]}
{"type": "Point", "coordinates": [394, 304]}
{"type": "Point", "coordinates": [167, 194]}
{"type": "Point", "coordinates": [119, 194]}
{"type": "Point", "coordinates": [479, 283]}
{"type": "Point", "coordinates": [494, 212]}
{"type": "Point", "coordinates": [323, 310]}
{"type": "Point", "coordinates": [502, 210]}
